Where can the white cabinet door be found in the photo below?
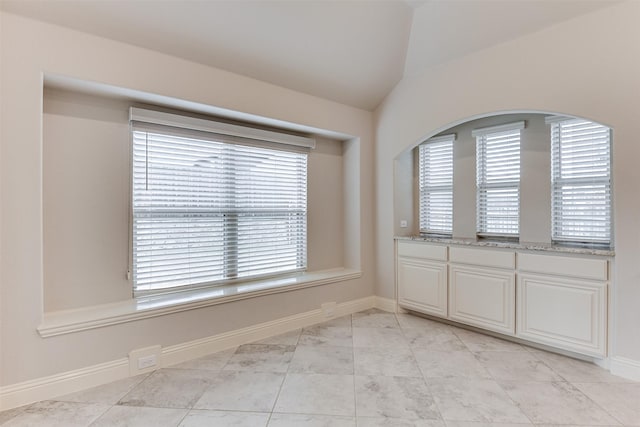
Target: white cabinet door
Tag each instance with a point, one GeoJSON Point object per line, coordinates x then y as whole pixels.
{"type": "Point", "coordinates": [483, 297]}
{"type": "Point", "coordinates": [422, 286]}
{"type": "Point", "coordinates": [564, 313]}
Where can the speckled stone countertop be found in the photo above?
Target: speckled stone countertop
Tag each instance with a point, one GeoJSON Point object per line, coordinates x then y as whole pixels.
{"type": "Point", "coordinates": [527, 246]}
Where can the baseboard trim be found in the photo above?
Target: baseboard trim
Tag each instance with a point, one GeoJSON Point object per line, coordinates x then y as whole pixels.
{"type": "Point", "coordinates": [191, 350]}
{"type": "Point", "coordinates": [27, 392]}
{"type": "Point", "coordinates": [626, 368]}
{"type": "Point", "coordinates": [386, 304]}
{"type": "Point", "coordinates": [52, 386]}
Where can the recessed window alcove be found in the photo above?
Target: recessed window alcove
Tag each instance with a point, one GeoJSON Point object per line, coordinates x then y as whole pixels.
{"type": "Point", "coordinates": [536, 190]}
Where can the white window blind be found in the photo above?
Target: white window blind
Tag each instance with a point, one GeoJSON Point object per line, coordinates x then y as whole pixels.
{"type": "Point", "coordinates": [436, 185]}
{"type": "Point", "coordinates": [498, 179]}
{"type": "Point", "coordinates": [581, 181]}
{"type": "Point", "coordinates": [208, 208]}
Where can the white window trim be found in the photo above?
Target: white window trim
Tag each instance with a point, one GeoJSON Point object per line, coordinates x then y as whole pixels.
{"type": "Point", "coordinates": [190, 127]}
{"type": "Point", "coordinates": [557, 182]}
{"type": "Point", "coordinates": [434, 140]}
{"type": "Point", "coordinates": [192, 123]}
{"type": "Point", "coordinates": [499, 128]}
{"type": "Point", "coordinates": [481, 132]}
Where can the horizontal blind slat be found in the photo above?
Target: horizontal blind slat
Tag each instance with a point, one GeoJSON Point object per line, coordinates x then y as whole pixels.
{"type": "Point", "coordinates": [206, 211]}
{"type": "Point", "coordinates": [498, 182]}
{"type": "Point", "coordinates": [435, 163]}
{"type": "Point", "coordinates": [581, 181]}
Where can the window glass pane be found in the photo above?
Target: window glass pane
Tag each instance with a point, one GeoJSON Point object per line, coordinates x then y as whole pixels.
{"type": "Point", "coordinates": [206, 211]}
{"type": "Point", "coordinates": [581, 181]}
{"type": "Point", "coordinates": [436, 186]}
{"type": "Point", "coordinates": [498, 182]}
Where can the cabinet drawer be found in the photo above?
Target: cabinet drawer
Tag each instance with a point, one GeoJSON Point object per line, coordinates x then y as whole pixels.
{"type": "Point", "coordinates": [483, 257]}
{"type": "Point", "coordinates": [585, 268]}
{"type": "Point", "coordinates": [422, 250]}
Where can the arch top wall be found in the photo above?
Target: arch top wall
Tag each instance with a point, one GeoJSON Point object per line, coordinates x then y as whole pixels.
{"type": "Point", "coordinates": [587, 67]}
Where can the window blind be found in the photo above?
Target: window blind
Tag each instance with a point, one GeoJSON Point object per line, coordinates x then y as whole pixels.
{"type": "Point", "coordinates": [436, 185]}
{"type": "Point", "coordinates": [498, 179]}
{"type": "Point", "coordinates": [207, 211]}
{"type": "Point", "coordinates": [581, 181]}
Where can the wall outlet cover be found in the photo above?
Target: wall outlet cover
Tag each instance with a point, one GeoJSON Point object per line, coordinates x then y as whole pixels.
{"type": "Point", "coordinates": [144, 360]}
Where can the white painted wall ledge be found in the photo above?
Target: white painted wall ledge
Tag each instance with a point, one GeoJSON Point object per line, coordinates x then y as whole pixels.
{"type": "Point", "coordinates": [70, 321]}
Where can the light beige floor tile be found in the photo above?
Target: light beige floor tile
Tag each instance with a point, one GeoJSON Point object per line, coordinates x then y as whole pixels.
{"type": "Point", "coordinates": [57, 414]}
{"type": "Point", "coordinates": [395, 397]}
{"type": "Point", "coordinates": [242, 391]}
{"type": "Point", "coordinates": [556, 403]}
{"type": "Point", "coordinates": [387, 361]}
{"type": "Point", "coordinates": [412, 321]}
{"type": "Point", "coordinates": [210, 362]}
{"type": "Point", "coordinates": [202, 418]}
{"type": "Point", "coordinates": [573, 425]}
{"type": "Point", "coordinates": [322, 360]}
{"type": "Point", "coordinates": [474, 424]}
{"type": "Point", "coordinates": [479, 342]}
{"type": "Point", "coordinates": [169, 388]}
{"type": "Point", "coordinates": [622, 400]}
{"type": "Point", "coordinates": [288, 338]}
{"type": "Point", "coordinates": [109, 394]}
{"type": "Point", "coordinates": [335, 336]}
{"type": "Point", "coordinates": [516, 366]}
{"type": "Point", "coordinates": [379, 337]}
{"type": "Point", "coordinates": [474, 400]}
{"type": "Point", "coordinates": [11, 413]}
{"type": "Point", "coordinates": [299, 420]}
{"type": "Point", "coordinates": [434, 339]}
{"type": "Point", "coordinates": [317, 394]}
{"type": "Point", "coordinates": [374, 319]}
{"type": "Point", "coordinates": [342, 322]}
{"type": "Point", "coordinates": [574, 370]}
{"type": "Point", "coordinates": [441, 364]}
{"type": "Point", "coordinates": [261, 358]}
{"type": "Point", "coordinates": [397, 422]}
{"type": "Point", "coordinates": [133, 416]}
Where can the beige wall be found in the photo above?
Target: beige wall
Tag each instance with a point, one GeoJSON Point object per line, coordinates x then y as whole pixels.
{"type": "Point", "coordinates": [587, 67]}
{"type": "Point", "coordinates": [31, 49]}
{"type": "Point", "coordinates": [86, 177]}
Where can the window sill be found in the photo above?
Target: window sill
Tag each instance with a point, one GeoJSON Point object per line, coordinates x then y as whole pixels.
{"type": "Point", "coordinates": [70, 321]}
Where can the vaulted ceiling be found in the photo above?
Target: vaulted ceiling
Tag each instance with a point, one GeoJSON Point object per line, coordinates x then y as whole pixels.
{"type": "Point", "coordinates": [352, 52]}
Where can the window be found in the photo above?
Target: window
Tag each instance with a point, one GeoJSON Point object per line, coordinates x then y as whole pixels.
{"type": "Point", "coordinates": [214, 202]}
{"type": "Point", "coordinates": [498, 180]}
{"type": "Point", "coordinates": [436, 185]}
{"type": "Point", "coordinates": [581, 181]}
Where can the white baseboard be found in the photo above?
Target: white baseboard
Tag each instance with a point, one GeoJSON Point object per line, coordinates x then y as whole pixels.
{"type": "Point", "coordinates": [626, 368]}
{"type": "Point", "coordinates": [52, 386]}
{"type": "Point", "coordinates": [386, 304]}
{"type": "Point", "coordinates": [15, 395]}
{"type": "Point", "coordinates": [198, 348]}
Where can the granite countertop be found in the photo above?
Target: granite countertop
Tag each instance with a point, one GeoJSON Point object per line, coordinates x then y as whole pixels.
{"type": "Point", "coordinates": [528, 246]}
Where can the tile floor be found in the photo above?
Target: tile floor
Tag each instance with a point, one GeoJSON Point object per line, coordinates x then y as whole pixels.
{"type": "Point", "coordinates": [369, 369]}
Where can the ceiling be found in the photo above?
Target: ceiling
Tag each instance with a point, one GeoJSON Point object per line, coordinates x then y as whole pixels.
{"type": "Point", "coordinates": [352, 52]}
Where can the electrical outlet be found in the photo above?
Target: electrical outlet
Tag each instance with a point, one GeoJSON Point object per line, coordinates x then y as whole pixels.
{"type": "Point", "coordinates": [147, 361]}
{"type": "Point", "coordinates": [144, 360]}
{"type": "Point", "coordinates": [404, 223]}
